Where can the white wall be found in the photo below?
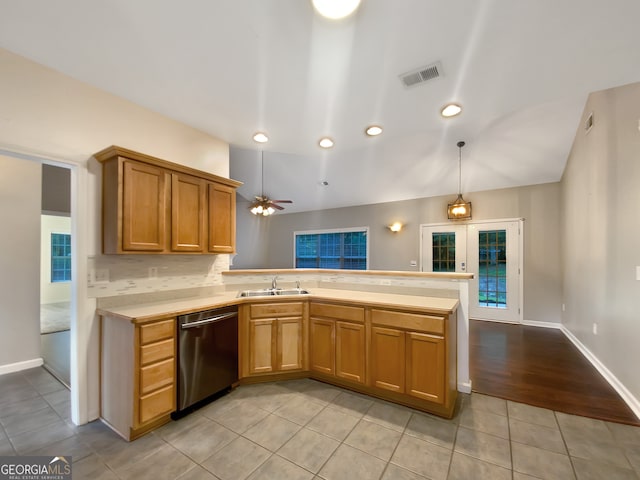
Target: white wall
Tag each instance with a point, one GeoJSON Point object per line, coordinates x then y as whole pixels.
{"type": "Point", "coordinates": [47, 114]}
{"type": "Point", "coordinates": [600, 231]}
{"type": "Point", "coordinates": [537, 204]}
{"type": "Point", "coordinates": [59, 291]}
{"type": "Point", "coordinates": [19, 263]}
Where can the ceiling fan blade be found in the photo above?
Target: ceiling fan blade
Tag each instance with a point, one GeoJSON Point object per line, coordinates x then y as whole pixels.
{"type": "Point", "coordinates": [277, 207]}
{"type": "Point", "coordinates": [281, 201]}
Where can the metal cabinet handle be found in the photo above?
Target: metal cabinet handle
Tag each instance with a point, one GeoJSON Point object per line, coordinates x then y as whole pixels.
{"type": "Point", "coordinates": [209, 320]}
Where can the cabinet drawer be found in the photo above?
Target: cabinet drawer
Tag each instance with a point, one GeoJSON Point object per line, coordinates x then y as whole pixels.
{"type": "Point", "coordinates": [156, 375]}
{"type": "Point", "coordinates": [266, 310]}
{"type": "Point", "coordinates": [157, 403]}
{"type": "Point", "coordinates": [157, 351]}
{"type": "Point", "coordinates": [408, 321]}
{"type": "Point", "coordinates": [153, 332]}
{"type": "Point", "coordinates": [340, 312]}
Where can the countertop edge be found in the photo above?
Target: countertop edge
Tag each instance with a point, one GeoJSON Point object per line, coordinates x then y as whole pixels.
{"type": "Point", "coordinates": [325, 271]}
{"type": "Point", "coordinates": [322, 295]}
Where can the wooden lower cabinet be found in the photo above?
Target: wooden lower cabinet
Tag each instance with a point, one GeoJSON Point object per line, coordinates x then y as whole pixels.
{"type": "Point", "coordinates": [337, 346]}
{"type": "Point", "coordinates": [350, 351]}
{"type": "Point", "coordinates": [388, 359]}
{"type": "Point", "coordinates": [138, 374]}
{"type": "Point", "coordinates": [322, 356]}
{"type": "Point", "coordinates": [425, 366]}
{"type": "Point", "coordinates": [410, 362]}
{"type": "Point", "coordinates": [272, 336]}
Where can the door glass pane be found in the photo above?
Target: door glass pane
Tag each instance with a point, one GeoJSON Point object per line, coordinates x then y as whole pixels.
{"type": "Point", "coordinates": [444, 251]}
{"type": "Point", "coordinates": [492, 268]}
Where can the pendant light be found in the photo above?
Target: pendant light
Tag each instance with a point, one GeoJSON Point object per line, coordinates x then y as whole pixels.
{"type": "Point", "coordinates": [460, 209]}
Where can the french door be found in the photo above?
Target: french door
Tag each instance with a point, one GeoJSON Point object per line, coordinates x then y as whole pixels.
{"type": "Point", "coordinates": [489, 250]}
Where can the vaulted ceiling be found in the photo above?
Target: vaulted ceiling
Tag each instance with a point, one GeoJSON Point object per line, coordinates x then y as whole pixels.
{"type": "Point", "coordinates": [522, 71]}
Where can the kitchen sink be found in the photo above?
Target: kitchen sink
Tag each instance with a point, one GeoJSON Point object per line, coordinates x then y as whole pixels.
{"type": "Point", "coordinates": [267, 292]}
{"type": "Point", "coordinates": [293, 291]}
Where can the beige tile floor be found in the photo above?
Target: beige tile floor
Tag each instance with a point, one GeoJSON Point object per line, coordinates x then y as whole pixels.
{"type": "Point", "coordinates": [305, 429]}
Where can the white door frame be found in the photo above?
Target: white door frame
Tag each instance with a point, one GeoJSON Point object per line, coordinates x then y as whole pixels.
{"type": "Point", "coordinates": [495, 314]}
{"type": "Point", "coordinates": [84, 405]}
{"type": "Point", "coordinates": [520, 221]}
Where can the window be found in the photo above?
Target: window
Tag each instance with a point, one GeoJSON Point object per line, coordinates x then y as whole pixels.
{"type": "Point", "coordinates": [345, 249]}
{"type": "Point", "coordinates": [60, 257]}
{"type": "Point", "coordinates": [492, 268]}
{"type": "Point", "coordinates": [444, 251]}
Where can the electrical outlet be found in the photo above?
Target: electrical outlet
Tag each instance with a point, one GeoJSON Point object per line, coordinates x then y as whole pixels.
{"type": "Point", "coordinates": [99, 275]}
{"type": "Point", "coordinates": [564, 308]}
{"type": "Point", "coordinates": [595, 328]}
{"type": "Point", "coordinates": [153, 272]}
{"type": "Point", "coordinates": [637, 273]}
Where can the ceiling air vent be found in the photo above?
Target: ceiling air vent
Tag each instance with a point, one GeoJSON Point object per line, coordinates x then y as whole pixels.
{"type": "Point", "coordinates": [421, 75]}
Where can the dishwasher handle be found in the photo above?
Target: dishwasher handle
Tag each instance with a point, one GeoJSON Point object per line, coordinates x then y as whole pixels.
{"type": "Point", "coordinates": [206, 321]}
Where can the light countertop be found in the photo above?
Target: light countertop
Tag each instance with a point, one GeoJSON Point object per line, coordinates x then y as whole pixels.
{"type": "Point", "coordinates": [170, 308]}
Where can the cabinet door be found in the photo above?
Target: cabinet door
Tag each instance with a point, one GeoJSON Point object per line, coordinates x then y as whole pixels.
{"type": "Point", "coordinates": [322, 346]}
{"type": "Point", "coordinates": [388, 359]}
{"type": "Point", "coordinates": [143, 207]}
{"type": "Point", "coordinates": [350, 351]}
{"type": "Point", "coordinates": [262, 346]}
{"type": "Point", "coordinates": [222, 218]}
{"type": "Point", "coordinates": [289, 344]}
{"type": "Point", "coordinates": [187, 213]}
{"type": "Point", "coordinates": [426, 366]}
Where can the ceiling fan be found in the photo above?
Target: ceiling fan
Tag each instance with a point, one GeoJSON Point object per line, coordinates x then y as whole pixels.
{"type": "Point", "coordinates": [263, 205]}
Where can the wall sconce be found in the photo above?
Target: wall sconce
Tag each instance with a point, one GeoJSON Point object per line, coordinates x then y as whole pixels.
{"type": "Point", "coordinates": [395, 228]}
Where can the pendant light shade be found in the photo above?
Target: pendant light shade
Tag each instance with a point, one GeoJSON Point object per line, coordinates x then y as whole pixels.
{"type": "Point", "coordinates": [460, 209]}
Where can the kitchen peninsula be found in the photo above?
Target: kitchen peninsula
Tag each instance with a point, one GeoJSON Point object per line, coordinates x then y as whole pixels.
{"type": "Point", "coordinates": [399, 336]}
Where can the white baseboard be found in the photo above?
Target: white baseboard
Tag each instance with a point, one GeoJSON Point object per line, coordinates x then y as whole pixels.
{"type": "Point", "coordinates": [535, 323]}
{"type": "Point", "coordinates": [16, 367]}
{"type": "Point", "coordinates": [626, 395]}
{"type": "Point", "coordinates": [464, 387]}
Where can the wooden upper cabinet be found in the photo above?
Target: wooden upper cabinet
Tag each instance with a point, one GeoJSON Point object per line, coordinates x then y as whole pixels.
{"type": "Point", "coordinates": [188, 195]}
{"type": "Point", "coordinates": [150, 205]}
{"type": "Point", "coordinates": [143, 207]}
{"type": "Point", "coordinates": [222, 218]}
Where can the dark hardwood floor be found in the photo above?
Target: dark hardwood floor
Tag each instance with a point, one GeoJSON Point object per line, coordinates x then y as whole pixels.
{"type": "Point", "coordinates": [541, 367]}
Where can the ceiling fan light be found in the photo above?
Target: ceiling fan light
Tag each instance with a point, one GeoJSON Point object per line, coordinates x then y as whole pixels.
{"type": "Point", "coordinates": [325, 142]}
{"type": "Point", "coordinates": [260, 137]}
{"type": "Point", "coordinates": [451, 110]}
{"type": "Point", "coordinates": [335, 9]}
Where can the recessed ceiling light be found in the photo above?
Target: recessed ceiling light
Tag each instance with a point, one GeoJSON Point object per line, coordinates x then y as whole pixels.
{"type": "Point", "coordinates": [373, 130]}
{"type": "Point", "coordinates": [325, 142]}
{"type": "Point", "coordinates": [335, 9]}
{"type": "Point", "coordinates": [260, 137]}
{"type": "Point", "coordinates": [451, 110]}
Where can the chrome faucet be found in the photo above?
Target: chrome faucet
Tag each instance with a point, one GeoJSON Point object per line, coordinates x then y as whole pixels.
{"type": "Point", "coordinates": [274, 283]}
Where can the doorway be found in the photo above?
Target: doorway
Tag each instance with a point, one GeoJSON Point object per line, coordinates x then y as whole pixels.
{"type": "Point", "coordinates": [56, 272]}
{"type": "Point", "coordinates": [492, 251]}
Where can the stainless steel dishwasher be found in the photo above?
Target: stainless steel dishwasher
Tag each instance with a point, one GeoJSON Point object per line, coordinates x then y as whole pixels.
{"type": "Point", "coordinates": [207, 355]}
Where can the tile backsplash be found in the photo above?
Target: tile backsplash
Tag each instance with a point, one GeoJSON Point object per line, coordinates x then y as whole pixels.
{"type": "Point", "coordinates": [110, 275]}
